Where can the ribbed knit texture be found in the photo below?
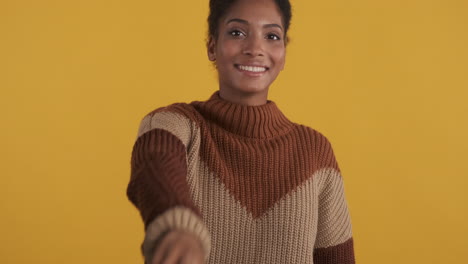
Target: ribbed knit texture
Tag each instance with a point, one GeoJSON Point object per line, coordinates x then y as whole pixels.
{"type": "Point", "coordinates": [252, 185]}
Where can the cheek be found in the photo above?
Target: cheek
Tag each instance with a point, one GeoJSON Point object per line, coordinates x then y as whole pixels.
{"type": "Point", "coordinates": [224, 59]}
{"type": "Point", "coordinates": [226, 50]}
{"type": "Point", "coordinates": [279, 56]}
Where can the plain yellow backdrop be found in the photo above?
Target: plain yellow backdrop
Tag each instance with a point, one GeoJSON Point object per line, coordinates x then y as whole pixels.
{"type": "Point", "coordinates": [385, 81]}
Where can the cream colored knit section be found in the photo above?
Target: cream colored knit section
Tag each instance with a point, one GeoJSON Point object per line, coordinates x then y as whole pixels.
{"type": "Point", "coordinates": [334, 217]}
{"type": "Point", "coordinates": [177, 124]}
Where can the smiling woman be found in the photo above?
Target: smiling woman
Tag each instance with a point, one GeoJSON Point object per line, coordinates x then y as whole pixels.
{"type": "Point", "coordinates": [232, 179]}
{"type": "Point", "coordinates": [249, 51]}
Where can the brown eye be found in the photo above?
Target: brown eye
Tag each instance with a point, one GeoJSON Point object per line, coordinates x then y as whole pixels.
{"type": "Point", "coordinates": [273, 37]}
{"type": "Point", "coordinates": [236, 33]}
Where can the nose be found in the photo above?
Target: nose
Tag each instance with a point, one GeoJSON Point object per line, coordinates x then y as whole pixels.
{"type": "Point", "coordinates": [253, 46]}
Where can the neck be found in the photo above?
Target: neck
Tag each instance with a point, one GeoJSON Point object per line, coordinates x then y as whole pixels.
{"type": "Point", "coordinates": [244, 98]}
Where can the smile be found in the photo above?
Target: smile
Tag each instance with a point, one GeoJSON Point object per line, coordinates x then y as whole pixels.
{"type": "Point", "coordinates": [254, 69]}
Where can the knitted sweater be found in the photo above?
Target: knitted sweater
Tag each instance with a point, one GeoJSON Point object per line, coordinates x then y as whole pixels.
{"type": "Point", "coordinates": [253, 186]}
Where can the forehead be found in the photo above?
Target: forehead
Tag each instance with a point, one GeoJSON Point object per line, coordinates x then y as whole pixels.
{"type": "Point", "coordinates": [254, 12]}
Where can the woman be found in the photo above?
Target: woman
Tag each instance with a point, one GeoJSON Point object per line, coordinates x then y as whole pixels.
{"type": "Point", "coordinates": [231, 179]}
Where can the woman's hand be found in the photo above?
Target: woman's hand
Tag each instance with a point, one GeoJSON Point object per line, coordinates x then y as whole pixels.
{"type": "Point", "coordinates": [179, 247]}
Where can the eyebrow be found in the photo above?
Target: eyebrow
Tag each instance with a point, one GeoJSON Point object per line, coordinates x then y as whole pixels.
{"type": "Point", "coordinates": [242, 21]}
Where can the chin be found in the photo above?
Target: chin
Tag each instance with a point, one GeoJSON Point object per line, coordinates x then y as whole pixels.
{"type": "Point", "coordinates": [253, 88]}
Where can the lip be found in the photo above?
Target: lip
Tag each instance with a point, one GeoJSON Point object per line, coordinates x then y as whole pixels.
{"type": "Point", "coordinates": [249, 73]}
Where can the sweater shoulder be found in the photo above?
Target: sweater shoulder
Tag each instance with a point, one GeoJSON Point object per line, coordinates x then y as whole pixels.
{"type": "Point", "coordinates": [313, 133]}
{"type": "Point", "coordinates": [321, 147]}
{"type": "Point", "coordinates": [184, 109]}
{"type": "Point", "coordinates": [176, 118]}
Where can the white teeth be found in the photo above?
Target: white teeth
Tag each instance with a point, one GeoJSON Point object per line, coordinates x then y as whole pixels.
{"type": "Point", "coordinates": [252, 68]}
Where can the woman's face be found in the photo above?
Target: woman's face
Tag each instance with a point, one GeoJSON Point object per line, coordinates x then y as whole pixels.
{"type": "Point", "coordinates": [250, 49]}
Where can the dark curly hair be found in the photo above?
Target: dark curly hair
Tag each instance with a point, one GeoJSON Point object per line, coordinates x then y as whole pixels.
{"type": "Point", "coordinates": [218, 9]}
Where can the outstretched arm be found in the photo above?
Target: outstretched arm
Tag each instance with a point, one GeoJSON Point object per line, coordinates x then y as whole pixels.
{"type": "Point", "coordinates": [158, 185]}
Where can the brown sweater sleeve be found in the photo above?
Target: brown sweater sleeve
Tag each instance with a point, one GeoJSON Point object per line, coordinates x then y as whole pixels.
{"type": "Point", "coordinates": [158, 175]}
{"type": "Point", "coordinates": [158, 184]}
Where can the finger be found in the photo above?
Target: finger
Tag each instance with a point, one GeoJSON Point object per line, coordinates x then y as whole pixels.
{"type": "Point", "coordinates": [174, 254]}
{"type": "Point", "coordinates": [190, 259]}
{"type": "Point", "coordinates": [159, 253]}
{"type": "Point", "coordinates": [162, 250]}
{"type": "Point", "coordinates": [192, 256]}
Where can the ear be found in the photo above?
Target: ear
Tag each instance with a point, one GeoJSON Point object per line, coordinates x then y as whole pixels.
{"type": "Point", "coordinates": [211, 48]}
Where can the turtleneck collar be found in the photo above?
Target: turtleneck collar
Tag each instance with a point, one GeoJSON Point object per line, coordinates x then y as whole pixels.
{"type": "Point", "coordinates": [261, 121]}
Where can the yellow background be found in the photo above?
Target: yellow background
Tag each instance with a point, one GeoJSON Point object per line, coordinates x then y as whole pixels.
{"type": "Point", "coordinates": [385, 81]}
